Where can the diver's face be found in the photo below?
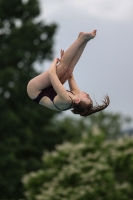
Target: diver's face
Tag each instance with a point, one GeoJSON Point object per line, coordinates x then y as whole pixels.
{"type": "Point", "coordinates": [84, 97]}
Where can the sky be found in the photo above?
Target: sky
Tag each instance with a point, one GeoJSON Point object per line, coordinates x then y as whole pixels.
{"type": "Point", "coordinates": [106, 65]}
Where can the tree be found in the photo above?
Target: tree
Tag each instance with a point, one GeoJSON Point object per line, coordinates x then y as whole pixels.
{"type": "Point", "coordinates": [24, 40]}
{"type": "Point", "coordinates": [93, 169]}
{"type": "Point", "coordinates": [110, 123]}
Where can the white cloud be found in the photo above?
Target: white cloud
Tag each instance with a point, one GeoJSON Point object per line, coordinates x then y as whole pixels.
{"type": "Point", "coordinates": [110, 9]}
{"type": "Point", "coordinates": [120, 10]}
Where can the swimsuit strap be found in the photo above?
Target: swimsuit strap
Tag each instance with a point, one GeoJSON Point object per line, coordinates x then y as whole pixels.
{"type": "Point", "coordinates": [68, 107]}
{"type": "Point", "coordinates": [70, 91]}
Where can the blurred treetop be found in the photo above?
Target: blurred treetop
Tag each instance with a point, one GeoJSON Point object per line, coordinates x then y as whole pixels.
{"type": "Point", "coordinates": [24, 40]}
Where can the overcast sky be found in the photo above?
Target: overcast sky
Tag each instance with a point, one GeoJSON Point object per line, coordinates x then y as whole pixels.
{"type": "Point", "coordinates": [106, 66]}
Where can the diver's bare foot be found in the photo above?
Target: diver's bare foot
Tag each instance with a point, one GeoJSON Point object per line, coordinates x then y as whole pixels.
{"type": "Point", "coordinates": [88, 36]}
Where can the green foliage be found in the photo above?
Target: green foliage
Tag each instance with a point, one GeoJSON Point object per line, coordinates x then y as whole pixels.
{"type": "Point", "coordinates": [67, 129]}
{"type": "Point", "coordinates": [24, 41]}
{"type": "Point", "coordinates": [107, 122]}
{"type": "Point", "coordinates": [110, 123]}
{"type": "Point", "coordinates": [94, 168]}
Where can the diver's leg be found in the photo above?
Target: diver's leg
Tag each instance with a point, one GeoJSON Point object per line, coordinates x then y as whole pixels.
{"type": "Point", "coordinates": [71, 52]}
{"type": "Point", "coordinates": [71, 67]}
{"type": "Point", "coordinates": [74, 60]}
{"type": "Point", "coordinates": [42, 81]}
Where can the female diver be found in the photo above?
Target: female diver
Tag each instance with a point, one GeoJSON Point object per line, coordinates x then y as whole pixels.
{"type": "Point", "coordinates": [47, 88]}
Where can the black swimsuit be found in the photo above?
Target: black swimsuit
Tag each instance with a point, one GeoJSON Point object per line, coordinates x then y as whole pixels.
{"type": "Point", "coordinates": [50, 93]}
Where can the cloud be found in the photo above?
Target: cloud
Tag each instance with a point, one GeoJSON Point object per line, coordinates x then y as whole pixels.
{"type": "Point", "coordinates": [118, 10]}
{"type": "Point", "coordinates": [110, 9]}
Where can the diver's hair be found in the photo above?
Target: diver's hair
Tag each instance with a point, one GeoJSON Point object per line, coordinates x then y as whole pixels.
{"type": "Point", "coordinates": [85, 111]}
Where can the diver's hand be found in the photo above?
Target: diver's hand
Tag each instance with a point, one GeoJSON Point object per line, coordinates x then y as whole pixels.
{"type": "Point", "coordinates": [52, 68]}
{"type": "Point", "coordinates": [61, 55]}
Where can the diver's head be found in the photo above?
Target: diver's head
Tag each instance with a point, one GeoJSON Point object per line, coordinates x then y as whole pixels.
{"type": "Point", "coordinates": [83, 105]}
